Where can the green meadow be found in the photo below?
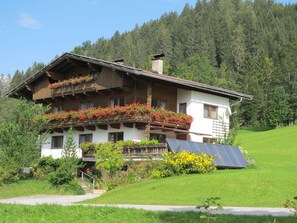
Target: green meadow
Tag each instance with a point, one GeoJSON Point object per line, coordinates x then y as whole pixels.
{"type": "Point", "coordinates": [269, 184]}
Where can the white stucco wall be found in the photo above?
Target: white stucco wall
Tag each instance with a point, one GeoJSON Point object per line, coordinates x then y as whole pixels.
{"type": "Point", "coordinates": [195, 107]}
{"type": "Point", "coordinates": [99, 135]}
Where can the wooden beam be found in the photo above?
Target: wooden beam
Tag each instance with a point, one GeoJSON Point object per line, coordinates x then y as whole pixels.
{"type": "Point", "coordinates": [59, 130]}
{"type": "Point", "coordinates": [115, 126]}
{"type": "Point", "coordinates": [140, 126]}
{"type": "Point", "coordinates": [128, 124]}
{"type": "Point", "coordinates": [66, 128]}
{"type": "Point", "coordinates": [95, 67]}
{"type": "Point", "coordinates": [149, 95]}
{"type": "Point", "coordinates": [91, 127]}
{"type": "Point", "coordinates": [79, 128]}
{"type": "Point", "coordinates": [134, 92]}
{"type": "Point", "coordinates": [29, 88]}
{"type": "Point", "coordinates": [77, 63]}
{"type": "Point", "coordinates": [104, 127]}
{"type": "Point", "coordinates": [54, 75]}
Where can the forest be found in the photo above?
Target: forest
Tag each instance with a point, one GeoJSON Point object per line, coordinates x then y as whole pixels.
{"type": "Point", "coordinates": [247, 46]}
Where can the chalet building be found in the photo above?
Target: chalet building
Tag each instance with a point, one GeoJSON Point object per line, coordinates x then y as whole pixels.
{"type": "Point", "coordinates": [109, 101]}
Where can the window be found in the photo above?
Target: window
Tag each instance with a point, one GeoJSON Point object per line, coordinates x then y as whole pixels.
{"type": "Point", "coordinates": [183, 108]}
{"type": "Point", "coordinates": [86, 105]}
{"type": "Point", "coordinates": [85, 138]}
{"type": "Point", "coordinates": [210, 112]}
{"type": "Point", "coordinates": [58, 108]}
{"type": "Point", "coordinates": [160, 137]}
{"type": "Point", "coordinates": [117, 102]}
{"type": "Point", "coordinates": [209, 140]}
{"type": "Point", "coordinates": [163, 104]}
{"type": "Point", "coordinates": [57, 142]}
{"type": "Point", "coordinates": [115, 136]}
{"type": "Point", "coordinates": [154, 103]}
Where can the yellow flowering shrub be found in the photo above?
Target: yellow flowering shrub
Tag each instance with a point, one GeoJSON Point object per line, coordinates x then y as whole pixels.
{"type": "Point", "coordinates": [186, 162]}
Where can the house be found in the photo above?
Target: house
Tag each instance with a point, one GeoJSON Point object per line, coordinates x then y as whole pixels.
{"type": "Point", "coordinates": [109, 101]}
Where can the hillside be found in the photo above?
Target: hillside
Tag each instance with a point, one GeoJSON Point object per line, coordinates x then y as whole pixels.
{"type": "Point", "coordinates": [268, 185]}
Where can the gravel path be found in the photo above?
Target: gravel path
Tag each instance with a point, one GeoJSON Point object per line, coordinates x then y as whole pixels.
{"type": "Point", "coordinates": [50, 199]}
{"type": "Point", "coordinates": [227, 210]}
{"type": "Point", "coordinates": [71, 199]}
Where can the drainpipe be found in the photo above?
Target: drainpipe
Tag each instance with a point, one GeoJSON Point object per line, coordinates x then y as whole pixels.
{"type": "Point", "coordinates": [235, 103]}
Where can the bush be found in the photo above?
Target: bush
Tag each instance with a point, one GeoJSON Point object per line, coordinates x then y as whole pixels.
{"type": "Point", "coordinates": [9, 174]}
{"type": "Point", "coordinates": [61, 176]}
{"type": "Point", "coordinates": [74, 186]}
{"type": "Point", "coordinates": [45, 166]}
{"type": "Point", "coordinates": [38, 173]}
{"type": "Point", "coordinates": [186, 162]}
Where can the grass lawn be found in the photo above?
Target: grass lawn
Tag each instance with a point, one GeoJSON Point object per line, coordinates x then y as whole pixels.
{"type": "Point", "coordinates": [268, 185]}
{"type": "Point", "coordinates": [28, 187]}
{"type": "Point", "coordinates": [54, 213]}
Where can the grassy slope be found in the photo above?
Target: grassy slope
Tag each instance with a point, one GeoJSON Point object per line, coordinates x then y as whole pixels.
{"type": "Point", "coordinates": [270, 184]}
{"type": "Point", "coordinates": [54, 213]}
{"type": "Point", "coordinates": [28, 187]}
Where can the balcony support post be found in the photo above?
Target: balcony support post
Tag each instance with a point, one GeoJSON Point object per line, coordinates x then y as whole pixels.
{"type": "Point", "coordinates": [149, 104]}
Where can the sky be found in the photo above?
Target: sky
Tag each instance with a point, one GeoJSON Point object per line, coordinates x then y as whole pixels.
{"type": "Point", "coordinates": [35, 30]}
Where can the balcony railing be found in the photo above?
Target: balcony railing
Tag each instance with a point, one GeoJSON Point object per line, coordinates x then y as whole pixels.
{"type": "Point", "coordinates": [134, 152]}
{"type": "Point", "coordinates": [74, 89]}
{"type": "Point", "coordinates": [133, 113]}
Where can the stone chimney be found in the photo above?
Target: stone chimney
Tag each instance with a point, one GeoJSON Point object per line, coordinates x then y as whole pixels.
{"type": "Point", "coordinates": [157, 63]}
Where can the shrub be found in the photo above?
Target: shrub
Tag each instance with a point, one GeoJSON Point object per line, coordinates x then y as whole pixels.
{"type": "Point", "coordinates": [46, 165]}
{"type": "Point", "coordinates": [9, 174]}
{"type": "Point", "coordinates": [61, 176]}
{"type": "Point", "coordinates": [186, 162]}
{"type": "Point", "coordinates": [109, 157]}
{"type": "Point", "coordinates": [74, 186]}
{"type": "Point", "coordinates": [155, 174]}
{"type": "Point", "coordinates": [38, 173]}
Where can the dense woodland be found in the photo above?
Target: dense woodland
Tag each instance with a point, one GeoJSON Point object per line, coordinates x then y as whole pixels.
{"type": "Point", "coordinates": [247, 46]}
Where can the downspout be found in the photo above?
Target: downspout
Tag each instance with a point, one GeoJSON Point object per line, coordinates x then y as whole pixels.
{"type": "Point", "coordinates": [235, 103]}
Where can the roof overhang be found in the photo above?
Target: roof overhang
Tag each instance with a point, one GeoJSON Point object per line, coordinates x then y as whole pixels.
{"type": "Point", "coordinates": [68, 60]}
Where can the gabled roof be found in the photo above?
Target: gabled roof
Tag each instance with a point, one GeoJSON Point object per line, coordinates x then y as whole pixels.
{"type": "Point", "coordinates": [65, 62]}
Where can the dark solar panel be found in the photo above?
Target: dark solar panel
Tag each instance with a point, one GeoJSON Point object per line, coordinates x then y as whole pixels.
{"type": "Point", "coordinates": [225, 156]}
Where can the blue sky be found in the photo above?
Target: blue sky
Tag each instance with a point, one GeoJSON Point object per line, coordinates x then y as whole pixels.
{"type": "Point", "coordinates": [35, 30]}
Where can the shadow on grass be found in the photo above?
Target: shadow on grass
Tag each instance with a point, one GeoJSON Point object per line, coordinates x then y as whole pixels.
{"type": "Point", "coordinates": [261, 129]}
{"type": "Point", "coordinates": [187, 217]}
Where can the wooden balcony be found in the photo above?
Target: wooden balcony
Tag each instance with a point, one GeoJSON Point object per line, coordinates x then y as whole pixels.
{"type": "Point", "coordinates": [136, 152]}
{"type": "Point", "coordinates": [75, 89]}
{"type": "Point", "coordinates": [138, 116]}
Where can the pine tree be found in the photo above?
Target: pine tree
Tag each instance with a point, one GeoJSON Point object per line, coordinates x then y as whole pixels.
{"type": "Point", "coordinates": [69, 150]}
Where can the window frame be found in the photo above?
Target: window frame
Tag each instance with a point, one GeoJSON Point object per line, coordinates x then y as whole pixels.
{"type": "Point", "coordinates": [181, 105]}
{"type": "Point", "coordinates": [58, 108]}
{"type": "Point", "coordinates": [209, 140]}
{"type": "Point", "coordinates": [117, 101]}
{"type": "Point", "coordinates": [85, 135]}
{"type": "Point", "coordinates": [116, 138]}
{"type": "Point", "coordinates": [160, 103]}
{"type": "Point", "coordinates": [88, 104]}
{"type": "Point", "coordinates": [160, 137]}
{"type": "Point", "coordinates": [209, 111]}
{"type": "Point", "coordinates": [53, 142]}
